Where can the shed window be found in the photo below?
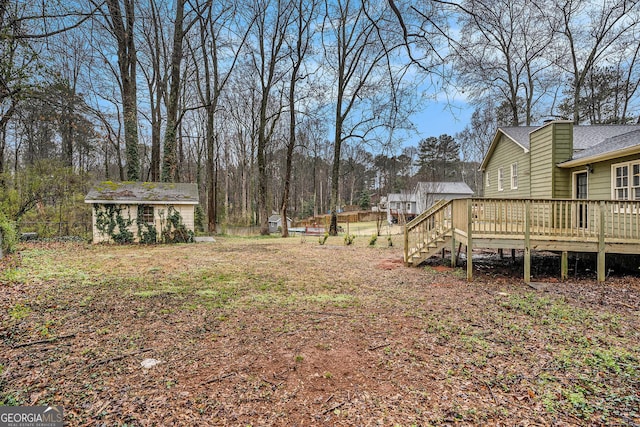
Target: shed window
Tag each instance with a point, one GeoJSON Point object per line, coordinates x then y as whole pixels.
{"type": "Point", "coordinates": [147, 214]}
{"type": "Point", "coordinates": [500, 179]}
{"type": "Point", "coordinates": [514, 176]}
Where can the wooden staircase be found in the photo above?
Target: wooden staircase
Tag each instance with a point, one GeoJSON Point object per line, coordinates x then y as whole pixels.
{"type": "Point", "coordinates": [428, 233]}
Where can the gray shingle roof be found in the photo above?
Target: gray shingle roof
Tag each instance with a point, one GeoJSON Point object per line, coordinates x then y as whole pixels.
{"type": "Point", "coordinates": [519, 134]}
{"type": "Point", "coordinates": [615, 143]}
{"type": "Point", "coordinates": [590, 135]}
{"type": "Point", "coordinates": [445, 187]}
{"type": "Point", "coordinates": [143, 192]}
{"type": "Point", "coordinates": [584, 136]}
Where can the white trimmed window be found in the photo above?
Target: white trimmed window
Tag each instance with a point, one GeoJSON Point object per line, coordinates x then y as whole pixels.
{"type": "Point", "coordinates": [625, 183]}
{"type": "Point", "coordinates": [635, 181]}
{"type": "Point", "coordinates": [500, 179]}
{"type": "Point", "coordinates": [514, 176]}
{"type": "Point", "coordinates": [409, 207]}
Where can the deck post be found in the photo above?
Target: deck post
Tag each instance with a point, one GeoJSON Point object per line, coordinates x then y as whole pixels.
{"type": "Point", "coordinates": [601, 246]}
{"type": "Point", "coordinates": [406, 246]}
{"type": "Point", "coordinates": [564, 265]}
{"type": "Point", "coordinates": [454, 258]}
{"type": "Point", "coordinates": [527, 242]}
{"type": "Point", "coordinates": [469, 241]}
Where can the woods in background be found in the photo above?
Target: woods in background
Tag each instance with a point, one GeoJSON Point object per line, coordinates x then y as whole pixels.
{"type": "Point", "coordinates": [297, 106]}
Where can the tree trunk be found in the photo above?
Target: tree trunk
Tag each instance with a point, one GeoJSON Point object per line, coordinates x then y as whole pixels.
{"type": "Point", "coordinates": [170, 158]}
{"type": "Point", "coordinates": [127, 62]}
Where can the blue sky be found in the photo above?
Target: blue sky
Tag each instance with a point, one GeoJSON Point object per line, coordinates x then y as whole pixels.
{"type": "Point", "coordinates": [440, 117]}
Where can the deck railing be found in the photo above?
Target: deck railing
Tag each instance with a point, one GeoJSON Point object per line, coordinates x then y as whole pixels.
{"type": "Point", "coordinates": [600, 226]}
{"type": "Point", "coordinates": [427, 227]}
{"type": "Point", "coordinates": [555, 218]}
{"type": "Point", "coordinates": [589, 221]}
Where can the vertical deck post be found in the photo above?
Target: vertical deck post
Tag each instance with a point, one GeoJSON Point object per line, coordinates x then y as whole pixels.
{"type": "Point", "coordinates": [601, 246]}
{"type": "Point", "coordinates": [527, 242]}
{"type": "Point", "coordinates": [406, 246]}
{"type": "Point", "coordinates": [564, 265]}
{"type": "Point", "coordinates": [469, 241]}
{"type": "Point", "coordinates": [454, 258]}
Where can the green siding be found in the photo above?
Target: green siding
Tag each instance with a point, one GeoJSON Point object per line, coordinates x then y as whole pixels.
{"type": "Point", "coordinates": [599, 181]}
{"type": "Point", "coordinates": [541, 143]}
{"type": "Point", "coordinates": [505, 153]}
{"type": "Point", "coordinates": [562, 151]}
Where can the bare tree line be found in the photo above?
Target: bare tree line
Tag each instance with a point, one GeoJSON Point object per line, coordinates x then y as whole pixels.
{"type": "Point", "coordinates": [280, 104]}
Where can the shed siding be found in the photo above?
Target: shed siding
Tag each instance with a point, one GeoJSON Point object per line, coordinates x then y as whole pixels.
{"type": "Point", "coordinates": [187, 212]}
{"type": "Point", "coordinates": [507, 152]}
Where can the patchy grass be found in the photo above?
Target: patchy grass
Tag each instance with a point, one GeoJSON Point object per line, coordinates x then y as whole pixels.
{"type": "Point", "coordinates": [276, 331]}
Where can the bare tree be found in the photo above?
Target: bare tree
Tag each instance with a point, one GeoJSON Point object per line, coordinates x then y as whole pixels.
{"type": "Point", "coordinates": [305, 14]}
{"type": "Point", "coordinates": [591, 30]}
{"type": "Point", "coordinates": [119, 20]}
{"type": "Point", "coordinates": [271, 21]}
{"type": "Point", "coordinates": [357, 47]}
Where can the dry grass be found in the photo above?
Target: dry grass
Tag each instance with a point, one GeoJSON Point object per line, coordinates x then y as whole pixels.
{"type": "Point", "coordinates": [290, 332]}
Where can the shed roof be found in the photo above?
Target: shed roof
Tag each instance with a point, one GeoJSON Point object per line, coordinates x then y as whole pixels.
{"type": "Point", "coordinates": [143, 193]}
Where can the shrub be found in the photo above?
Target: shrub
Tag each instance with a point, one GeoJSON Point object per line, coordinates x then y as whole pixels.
{"type": "Point", "coordinates": [323, 239]}
{"type": "Point", "coordinates": [349, 238]}
{"type": "Point", "coordinates": [8, 234]}
{"type": "Point", "coordinates": [373, 239]}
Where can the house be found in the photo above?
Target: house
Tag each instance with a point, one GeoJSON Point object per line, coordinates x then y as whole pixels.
{"type": "Point", "coordinates": [557, 187]}
{"type": "Point", "coordinates": [427, 193]}
{"type": "Point", "coordinates": [403, 207]}
{"type": "Point", "coordinates": [559, 160]}
{"type": "Point", "coordinates": [275, 223]}
{"type": "Point", "coordinates": [146, 212]}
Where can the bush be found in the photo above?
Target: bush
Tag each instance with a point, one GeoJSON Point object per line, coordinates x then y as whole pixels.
{"type": "Point", "coordinates": [323, 239]}
{"type": "Point", "coordinates": [372, 241]}
{"type": "Point", "coordinates": [349, 238]}
{"type": "Point", "coordinates": [8, 234]}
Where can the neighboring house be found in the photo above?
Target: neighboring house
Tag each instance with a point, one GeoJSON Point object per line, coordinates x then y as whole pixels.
{"type": "Point", "coordinates": [275, 223]}
{"type": "Point", "coordinates": [142, 211]}
{"type": "Point", "coordinates": [559, 160]}
{"type": "Point", "coordinates": [403, 207]}
{"type": "Point", "coordinates": [427, 193]}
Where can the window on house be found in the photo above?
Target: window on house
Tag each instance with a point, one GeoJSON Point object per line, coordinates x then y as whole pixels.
{"type": "Point", "coordinates": [635, 182]}
{"type": "Point", "coordinates": [147, 214]}
{"type": "Point", "coordinates": [621, 182]}
{"type": "Point", "coordinates": [514, 176]}
{"type": "Point", "coordinates": [500, 179]}
{"type": "Point", "coordinates": [408, 207]}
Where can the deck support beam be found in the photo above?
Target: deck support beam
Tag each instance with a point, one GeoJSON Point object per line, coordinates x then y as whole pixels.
{"type": "Point", "coordinates": [454, 257]}
{"type": "Point", "coordinates": [601, 245]}
{"type": "Point", "coordinates": [527, 242]}
{"type": "Point", "coordinates": [564, 265]}
{"type": "Point", "coordinates": [469, 241]}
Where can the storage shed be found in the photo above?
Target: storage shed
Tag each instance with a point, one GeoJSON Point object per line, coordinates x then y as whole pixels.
{"type": "Point", "coordinates": [145, 212]}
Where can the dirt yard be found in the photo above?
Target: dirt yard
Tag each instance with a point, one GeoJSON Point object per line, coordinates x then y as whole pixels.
{"type": "Point", "coordinates": [288, 332]}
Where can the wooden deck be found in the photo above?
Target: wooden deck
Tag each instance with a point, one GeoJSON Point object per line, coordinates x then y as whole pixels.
{"type": "Point", "coordinates": [601, 227]}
